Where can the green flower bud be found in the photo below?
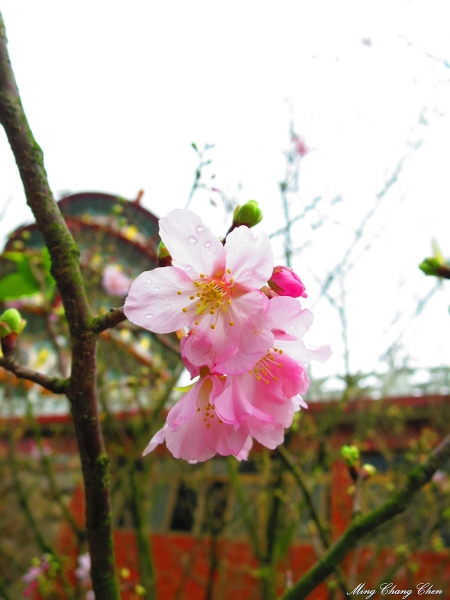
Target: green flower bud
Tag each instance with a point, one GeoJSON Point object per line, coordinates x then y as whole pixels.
{"type": "Point", "coordinates": [11, 322]}
{"type": "Point", "coordinates": [368, 470]}
{"type": "Point", "coordinates": [248, 214]}
{"type": "Point", "coordinates": [430, 266]}
{"type": "Point", "coordinates": [351, 455]}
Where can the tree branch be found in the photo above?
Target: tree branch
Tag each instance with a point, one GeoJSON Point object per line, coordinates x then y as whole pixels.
{"type": "Point", "coordinates": [323, 533]}
{"type": "Point", "coordinates": [53, 384]}
{"type": "Point", "coordinates": [360, 527]}
{"type": "Point", "coordinates": [108, 320]}
{"type": "Point", "coordinates": [81, 389]}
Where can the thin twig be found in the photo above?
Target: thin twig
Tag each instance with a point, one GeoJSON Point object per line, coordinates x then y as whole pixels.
{"type": "Point", "coordinates": [53, 384]}
{"type": "Point", "coordinates": [360, 527]}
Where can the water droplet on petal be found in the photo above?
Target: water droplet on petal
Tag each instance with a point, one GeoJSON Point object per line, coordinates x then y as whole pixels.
{"type": "Point", "coordinates": [200, 228]}
{"type": "Point", "coordinates": [192, 239]}
{"type": "Point", "coordinates": [188, 268]}
{"type": "Point", "coordinates": [149, 280]}
{"type": "Point", "coordinates": [208, 244]}
{"type": "Point", "coordinates": [167, 299]}
{"type": "Point", "coordinates": [157, 289]}
{"type": "Point", "coordinates": [149, 316]}
{"type": "Point", "coordinates": [168, 306]}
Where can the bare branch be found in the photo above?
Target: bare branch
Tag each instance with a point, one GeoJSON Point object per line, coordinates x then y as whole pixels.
{"type": "Point", "coordinates": [52, 384]}
{"type": "Point", "coordinates": [108, 320]}
{"type": "Point", "coordinates": [360, 527]}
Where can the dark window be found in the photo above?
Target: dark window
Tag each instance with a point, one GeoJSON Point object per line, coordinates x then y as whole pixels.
{"type": "Point", "coordinates": [215, 507]}
{"type": "Point", "coordinates": [184, 512]}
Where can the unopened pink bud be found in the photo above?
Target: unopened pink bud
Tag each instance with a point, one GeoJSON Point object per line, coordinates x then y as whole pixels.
{"type": "Point", "coordinates": [287, 283]}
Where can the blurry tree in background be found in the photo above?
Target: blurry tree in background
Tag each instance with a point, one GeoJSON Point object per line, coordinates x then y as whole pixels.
{"type": "Point", "coordinates": [289, 522]}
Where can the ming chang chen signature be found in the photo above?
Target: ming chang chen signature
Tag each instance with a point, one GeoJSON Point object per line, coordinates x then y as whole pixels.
{"type": "Point", "coordinates": [390, 589]}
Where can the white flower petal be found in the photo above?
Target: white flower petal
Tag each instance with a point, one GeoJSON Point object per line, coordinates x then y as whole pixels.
{"type": "Point", "coordinates": [249, 257]}
{"type": "Point", "coordinates": [192, 245]}
{"type": "Point", "coordinates": [155, 304]}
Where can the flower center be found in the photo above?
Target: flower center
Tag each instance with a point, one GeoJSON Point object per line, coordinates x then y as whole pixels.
{"type": "Point", "coordinates": [264, 367]}
{"type": "Point", "coordinates": [213, 295]}
{"type": "Point", "coordinates": [204, 405]}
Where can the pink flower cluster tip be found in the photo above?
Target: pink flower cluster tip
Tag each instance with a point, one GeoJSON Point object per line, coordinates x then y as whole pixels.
{"type": "Point", "coordinates": [287, 283]}
{"type": "Point", "coordinates": [246, 350]}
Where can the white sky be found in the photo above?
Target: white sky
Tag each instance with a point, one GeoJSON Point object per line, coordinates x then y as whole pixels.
{"type": "Point", "coordinates": [115, 93]}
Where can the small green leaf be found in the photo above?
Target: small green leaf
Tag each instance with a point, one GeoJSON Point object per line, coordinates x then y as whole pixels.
{"type": "Point", "coordinates": [16, 285]}
{"type": "Point", "coordinates": [4, 329]}
{"type": "Point", "coordinates": [185, 388]}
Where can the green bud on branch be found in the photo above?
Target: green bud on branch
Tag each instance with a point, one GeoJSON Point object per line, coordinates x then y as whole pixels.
{"type": "Point", "coordinates": [248, 214]}
{"type": "Point", "coordinates": [351, 455]}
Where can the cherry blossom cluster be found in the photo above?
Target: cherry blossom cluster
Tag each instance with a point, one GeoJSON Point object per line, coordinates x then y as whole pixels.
{"type": "Point", "coordinates": [243, 332]}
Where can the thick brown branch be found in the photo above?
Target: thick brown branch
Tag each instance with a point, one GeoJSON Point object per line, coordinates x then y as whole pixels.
{"type": "Point", "coordinates": [53, 384]}
{"type": "Point", "coordinates": [81, 388]}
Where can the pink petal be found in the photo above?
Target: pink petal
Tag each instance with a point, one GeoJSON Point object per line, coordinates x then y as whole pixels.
{"type": "Point", "coordinates": [249, 257]}
{"type": "Point", "coordinates": [192, 245]}
{"type": "Point", "coordinates": [251, 331]}
{"type": "Point", "coordinates": [157, 439]}
{"type": "Point", "coordinates": [301, 354]}
{"type": "Point", "coordinates": [205, 346]}
{"type": "Point", "coordinates": [205, 390]}
{"type": "Point", "coordinates": [289, 321]}
{"type": "Point", "coordinates": [194, 370]}
{"type": "Point", "coordinates": [154, 303]}
{"type": "Point", "coordinates": [194, 441]}
{"type": "Point", "coordinates": [233, 405]}
{"type": "Point", "coordinates": [243, 454]}
{"type": "Point", "coordinates": [270, 437]}
{"type": "Point", "coordinates": [299, 403]}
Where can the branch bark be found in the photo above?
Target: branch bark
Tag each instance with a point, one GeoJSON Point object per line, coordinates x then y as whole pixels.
{"type": "Point", "coordinates": [361, 526]}
{"type": "Point", "coordinates": [53, 384]}
{"type": "Point", "coordinates": [81, 388]}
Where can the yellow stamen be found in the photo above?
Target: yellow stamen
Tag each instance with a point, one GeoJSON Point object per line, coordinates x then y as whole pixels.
{"type": "Point", "coordinates": [179, 293]}
{"type": "Point", "coordinates": [213, 327]}
{"type": "Point", "coordinates": [184, 309]}
{"type": "Point", "coordinates": [191, 297]}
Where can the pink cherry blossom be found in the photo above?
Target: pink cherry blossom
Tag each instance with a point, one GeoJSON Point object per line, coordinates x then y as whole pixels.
{"type": "Point", "coordinates": [194, 432]}
{"type": "Point", "coordinates": [300, 146]}
{"type": "Point", "coordinates": [212, 289]}
{"type": "Point", "coordinates": [32, 575]}
{"type": "Point", "coordinates": [83, 571]}
{"type": "Point", "coordinates": [289, 323]}
{"type": "Point", "coordinates": [287, 283]}
{"type": "Point", "coordinates": [115, 282]}
{"type": "Point", "coordinates": [265, 399]}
